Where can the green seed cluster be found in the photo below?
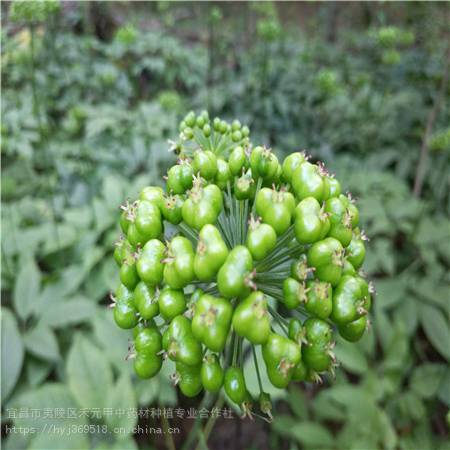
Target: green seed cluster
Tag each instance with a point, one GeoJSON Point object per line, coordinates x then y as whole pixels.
{"type": "Point", "coordinates": [239, 251]}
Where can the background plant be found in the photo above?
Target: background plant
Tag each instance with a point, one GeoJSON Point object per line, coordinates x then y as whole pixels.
{"type": "Point", "coordinates": [88, 106]}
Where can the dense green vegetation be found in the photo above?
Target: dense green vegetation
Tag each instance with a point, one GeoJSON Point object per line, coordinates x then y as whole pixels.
{"type": "Point", "coordinates": [86, 114]}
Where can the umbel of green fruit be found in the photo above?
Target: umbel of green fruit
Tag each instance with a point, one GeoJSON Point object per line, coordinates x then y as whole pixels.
{"type": "Point", "coordinates": [239, 251]}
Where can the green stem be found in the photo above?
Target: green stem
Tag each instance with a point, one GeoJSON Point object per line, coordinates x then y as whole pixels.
{"type": "Point", "coordinates": [258, 375]}
{"type": "Point", "coordinates": [241, 352]}
{"type": "Point", "coordinates": [211, 422]}
{"type": "Point", "coordinates": [279, 319]}
{"type": "Point", "coordinates": [197, 423]}
{"type": "Point", "coordinates": [235, 350]}
{"type": "Point", "coordinates": [245, 220]}
{"type": "Point", "coordinates": [231, 350]}
{"type": "Point", "coordinates": [170, 444]}
{"type": "Point", "coordinates": [188, 232]}
{"type": "Point", "coordinates": [224, 229]}
{"type": "Point", "coordinates": [258, 188]}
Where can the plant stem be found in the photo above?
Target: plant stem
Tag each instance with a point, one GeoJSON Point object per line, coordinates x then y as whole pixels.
{"type": "Point", "coordinates": [257, 369]}
{"type": "Point", "coordinates": [210, 423]}
{"type": "Point", "coordinates": [258, 188]}
{"type": "Point", "coordinates": [197, 423]}
{"type": "Point", "coordinates": [279, 319]}
{"type": "Point", "coordinates": [170, 444]}
{"type": "Point", "coordinates": [235, 349]}
{"type": "Point", "coordinates": [188, 232]}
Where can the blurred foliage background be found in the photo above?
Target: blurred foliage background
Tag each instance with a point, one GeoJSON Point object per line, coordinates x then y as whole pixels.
{"type": "Point", "coordinates": [92, 92]}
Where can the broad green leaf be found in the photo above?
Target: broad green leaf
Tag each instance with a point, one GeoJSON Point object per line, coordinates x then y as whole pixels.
{"type": "Point", "coordinates": [112, 191]}
{"type": "Point", "coordinates": [389, 292]}
{"type": "Point", "coordinates": [167, 394]}
{"type": "Point", "coordinates": [436, 328]}
{"type": "Point", "coordinates": [382, 250]}
{"type": "Point", "coordinates": [70, 278]}
{"type": "Point", "coordinates": [96, 286]}
{"type": "Point", "coordinates": [42, 343]}
{"type": "Point", "coordinates": [431, 291]}
{"type": "Point", "coordinates": [37, 370]}
{"type": "Point", "coordinates": [79, 217]}
{"type": "Point", "coordinates": [26, 289]}
{"type": "Point", "coordinates": [112, 340]}
{"type": "Point", "coordinates": [58, 238]}
{"type": "Point", "coordinates": [122, 396]}
{"type": "Point", "coordinates": [351, 438]}
{"type": "Point", "coordinates": [357, 400]}
{"type": "Point", "coordinates": [284, 423]}
{"type": "Point", "coordinates": [396, 352]}
{"type": "Point", "coordinates": [89, 374]}
{"type": "Point", "coordinates": [128, 443]}
{"type": "Point", "coordinates": [444, 388]}
{"type": "Point", "coordinates": [16, 441]}
{"type": "Point", "coordinates": [147, 390]}
{"type": "Point", "coordinates": [103, 217]}
{"type": "Point", "coordinates": [12, 352]}
{"type": "Point", "coordinates": [351, 357]}
{"type": "Point", "coordinates": [52, 396]}
{"type": "Point", "coordinates": [407, 313]}
{"type": "Point", "coordinates": [326, 409]}
{"type": "Point", "coordinates": [426, 379]}
{"type": "Point", "coordinates": [297, 402]}
{"type": "Point", "coordinates": [411, 405]}
{"type": "Point", "coordinates": [70, 312]}
{"type": "Point", "coordinates": [110, 275]}
{"type": "Point", "coordinates": [383, 327]}
{"type": "Point", "coordinates": [91, 257]}
{"type": "Point", "coordinates": [386, 431]}
{"type": "Point", "coordinates": [309, 434]}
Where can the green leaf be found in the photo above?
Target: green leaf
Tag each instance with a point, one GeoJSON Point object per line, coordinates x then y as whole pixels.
{"type": "Point", "coordinates": [426, 379]}
{"type": "Point", "coordinates": [42, 343]}
{"type": "Point", "coordinates": [408, 314]}
{"type": "Point", "coordinates": [53, 396]}
{"type": "Point", "coordinates": [122, 396]}
{"type": "Point", "coordinates": [444, 388]}
{"type": "Point", "coordinates": [411, 406]}
{"type": "Point", "coordinates": [326, 409]}
{"type": "Point", "coordinates": [309, 434]}
{"type": "Point", "coordinates": [103, 217]}
{"type": "Point", "coordinates": [37, 370]}
{"type": "Point", "coordinates": [386, 431]}
{"type": "Point", "coordinates": [127, 443]}
{"type": "Point", "coordinates": [431, 291]}
{"type": "Point", "coordinates": [147, 390]}
{"type": "Point", "coordinates": [383, 327]}
{"type": "Point", "coordinates": [298, 402]}
{"type": "Point", "coordinates": [59, 238]}
{"type": "Point", "coordinates": [112, 340]}
{"type": "Point", "coordinates": [390, 292]}
{"type": "Point", "coordinates": [26, 289]}
{"type": "Point", "coordinates": [70, 312]}
{"type": "Point", "coordinates": [351, 357]}
{"type": "Point", "coordinates": [70, 279]}
{"type": "Point", "coordinates": [16, 441]}
{"type": "Point", "coordinates": [167, 394]}
{"type": "Point", "coordinates": [12, 352]}
{"type": "Point", "coordinates": [397, 351]}
{"type": "Point", "coordinates": [89, 374]}
{"type": "Point", "coordinates": [436, 328]}
{"type": "Point", "coordinates": [112, 190]}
